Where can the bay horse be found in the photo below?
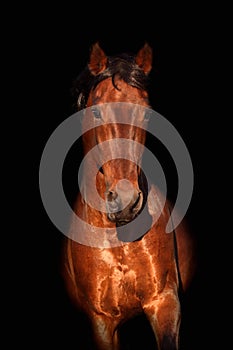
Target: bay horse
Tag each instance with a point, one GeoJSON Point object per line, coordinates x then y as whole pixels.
{"type": "Point", "coordinates": [122, 277]}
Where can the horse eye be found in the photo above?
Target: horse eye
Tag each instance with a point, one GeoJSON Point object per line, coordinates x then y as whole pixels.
{"type": "Point", "coordinates": [96, 113]}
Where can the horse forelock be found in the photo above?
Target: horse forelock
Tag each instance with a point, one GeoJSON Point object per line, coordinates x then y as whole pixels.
{"type": "Point", "coordinates": [121, 67]}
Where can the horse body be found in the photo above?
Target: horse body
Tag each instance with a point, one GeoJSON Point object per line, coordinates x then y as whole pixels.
{"type": "Point", "coordinates": [116, 281]}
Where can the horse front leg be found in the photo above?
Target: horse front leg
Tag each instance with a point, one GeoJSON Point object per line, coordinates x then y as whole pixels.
{"type": "Point", "coordinates": [105, 333]}
{"type": "Point", "coordinates": [164, 317]}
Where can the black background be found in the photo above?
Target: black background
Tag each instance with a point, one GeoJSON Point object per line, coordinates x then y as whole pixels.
{"type": "Point", "coordinates": [57, 52]}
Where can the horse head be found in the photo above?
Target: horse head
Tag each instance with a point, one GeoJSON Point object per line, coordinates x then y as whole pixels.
{"type": "Point", "coordinates": [116, 116]}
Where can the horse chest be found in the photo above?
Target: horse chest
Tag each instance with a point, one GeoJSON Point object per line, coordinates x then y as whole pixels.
{"type": "Point", "coordinates": [120, 282]}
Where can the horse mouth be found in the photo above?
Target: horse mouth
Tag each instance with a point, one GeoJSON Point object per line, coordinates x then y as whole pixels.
{"type": "Point", "coordinates": [138, 203]}
{"type": "Point", "coordinates": [127, 214]}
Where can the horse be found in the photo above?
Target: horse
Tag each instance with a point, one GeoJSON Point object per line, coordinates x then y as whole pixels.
{"type": "Point", "coordinates": [110, 273]}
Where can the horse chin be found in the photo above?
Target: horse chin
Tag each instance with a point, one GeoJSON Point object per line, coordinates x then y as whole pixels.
{"type": "Point", "coordinates": [120, 220]}
{"type": "Point", "coordinates": [120, 223]}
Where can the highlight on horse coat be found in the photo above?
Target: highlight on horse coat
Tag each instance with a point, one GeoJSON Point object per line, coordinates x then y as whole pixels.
{"type": "Point", "coordinates": [112, 284]}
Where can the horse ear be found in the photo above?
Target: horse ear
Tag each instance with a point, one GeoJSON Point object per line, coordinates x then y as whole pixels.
{"type": "Point", "coordinates": [144, 58]}
{"type": "Point", "coordinates": [98, 60]}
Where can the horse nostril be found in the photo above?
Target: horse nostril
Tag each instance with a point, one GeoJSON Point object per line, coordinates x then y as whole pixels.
{"type": "Point", "coordinates": [112, 201]}
{"type": "Point", "coordinates": [111, 196]}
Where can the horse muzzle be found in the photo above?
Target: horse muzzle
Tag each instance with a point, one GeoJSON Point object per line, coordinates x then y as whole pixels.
{"type": "Point", "coordinates": [123, 202]}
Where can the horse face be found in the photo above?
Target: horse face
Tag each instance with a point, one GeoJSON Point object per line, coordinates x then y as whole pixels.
{"type": "Point", "coordinates": [119, 133]}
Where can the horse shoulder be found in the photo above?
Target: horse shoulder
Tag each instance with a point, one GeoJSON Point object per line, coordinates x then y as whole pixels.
{"type": "Point", "coordinates": [186, 245]}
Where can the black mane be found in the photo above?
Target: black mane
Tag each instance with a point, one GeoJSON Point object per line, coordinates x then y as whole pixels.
{"type": "Point", "coordinates": [122, 66]}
